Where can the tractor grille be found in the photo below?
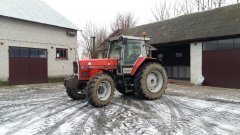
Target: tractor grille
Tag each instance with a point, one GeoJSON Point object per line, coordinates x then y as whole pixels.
{"type": "Point", "coordinates": [85, 74]}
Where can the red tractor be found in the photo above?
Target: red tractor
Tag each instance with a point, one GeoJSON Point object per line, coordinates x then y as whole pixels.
{"type": "Point", "coordinates": [128, 68]}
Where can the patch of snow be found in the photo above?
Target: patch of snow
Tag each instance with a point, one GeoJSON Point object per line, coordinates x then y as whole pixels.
{"type": "Point", "coordinates": [3, 130]}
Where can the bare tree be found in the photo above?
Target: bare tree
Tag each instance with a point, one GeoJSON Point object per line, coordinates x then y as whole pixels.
{"type": "Point", "coordinates": [202, 5]}
{"type": "Point", "coordinates": [183, 7]}
{"type": "Point", "coordinates": [123, 21]}
{"type": "Point", "coordinates": [86, 42]}
{"type": "Point", "coordinates": [186, 7]}
{"type": "Point", "coordinates": [220, 3]}
{"type": "Point", "coordinates": [198, 4]}
{"type": "Point", "coordinates": [208, 4]}
{"type": "Point", "coordinates": [161, 11]}
{"type": "Point", "coordinates": [165, 10]}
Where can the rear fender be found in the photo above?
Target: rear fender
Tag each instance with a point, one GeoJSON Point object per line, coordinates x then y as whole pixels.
{"type": "Point", "coordinates": [141, 61]}
{"type": "Point", "coordinates": [137, 65]}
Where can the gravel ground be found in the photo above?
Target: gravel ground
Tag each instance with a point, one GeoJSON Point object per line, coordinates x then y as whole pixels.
{"type": "Point", "coordinates": [46, 109]}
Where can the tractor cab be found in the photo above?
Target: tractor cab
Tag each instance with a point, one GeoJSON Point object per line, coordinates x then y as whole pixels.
{"type": "Point", "coordinates": [127, 50]}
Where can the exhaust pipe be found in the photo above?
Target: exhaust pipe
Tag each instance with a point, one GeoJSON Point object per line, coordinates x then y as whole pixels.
{"type": "Point", "coordinates": [94, 46]}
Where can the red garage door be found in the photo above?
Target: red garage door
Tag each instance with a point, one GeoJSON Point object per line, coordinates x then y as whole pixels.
{"type": "Point", "coordinates": [27, 65]}
{"type": "Point", "coordinates": [222, 68]}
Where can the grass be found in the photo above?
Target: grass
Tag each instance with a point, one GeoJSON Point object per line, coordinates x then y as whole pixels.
{"type": "Point", "coordinates": [55, 80]}
{"type": "Point", "coordinates": [50, 80]}
{"type": "Point", "coordinates": [3, 83]}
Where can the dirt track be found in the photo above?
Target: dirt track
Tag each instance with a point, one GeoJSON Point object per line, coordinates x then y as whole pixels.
{"type": "Point", "coordinates": [50, 111]}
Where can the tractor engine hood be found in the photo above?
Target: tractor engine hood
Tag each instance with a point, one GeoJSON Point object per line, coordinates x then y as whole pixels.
{"type": "Point", "coordinates": [98, 63]}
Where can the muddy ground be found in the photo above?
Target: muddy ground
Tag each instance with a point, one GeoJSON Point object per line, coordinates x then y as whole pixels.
{"type": "Point", "coordinates": [48, 110]}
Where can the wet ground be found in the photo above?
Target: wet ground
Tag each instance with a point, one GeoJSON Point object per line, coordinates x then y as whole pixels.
{"type": "Point", "coordinates": [40, 110]}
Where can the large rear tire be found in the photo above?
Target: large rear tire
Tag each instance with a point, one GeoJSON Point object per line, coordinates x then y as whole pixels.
{"type": "Point", "coordinates": [73, 89]}
{"type": "Point", "coordinates": [150, 81]}
{"type": "Point", "coordinates": [100, 90]}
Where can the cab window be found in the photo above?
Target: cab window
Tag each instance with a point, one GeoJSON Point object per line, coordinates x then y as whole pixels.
{"type": "Point", "coordinates": [115, 50]}
{"type": "Point", "coordinates": [132, 51]}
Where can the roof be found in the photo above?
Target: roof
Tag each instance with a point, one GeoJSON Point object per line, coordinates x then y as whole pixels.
{"type": "Point", "coordinates": [220, 22]}
{"type": "Point", "coordinates": [34, 11]}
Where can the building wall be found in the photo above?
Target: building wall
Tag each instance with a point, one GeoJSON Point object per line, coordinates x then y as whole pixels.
{"type": "Point", "coordinates": [27, 34]}
{"type": "Point", "coordinates": [101, 54]}
{"type": "Point", "coordinates": [196, 62]}
{"type": "Point", "coordinates": [4, 60]}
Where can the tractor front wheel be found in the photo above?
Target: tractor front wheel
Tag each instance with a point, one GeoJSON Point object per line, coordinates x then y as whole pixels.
{"type": "Point", "coordinates": [151, 81]}
{"type": "Point", "coordinates": [74, 90]}
{"type": "Point", "coordinates": [100, 90]}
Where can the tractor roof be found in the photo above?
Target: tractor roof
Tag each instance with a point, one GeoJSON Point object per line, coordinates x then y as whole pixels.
{"type": "Point", "coordinates": [128, 37]}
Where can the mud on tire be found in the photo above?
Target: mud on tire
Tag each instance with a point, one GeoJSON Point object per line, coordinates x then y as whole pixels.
{"type": "Point", "coordinates": [96, 87]}
{"type": "Point", "coordinates": [143, 78]}
{"type": "Point", "coordinates": [73, 88]}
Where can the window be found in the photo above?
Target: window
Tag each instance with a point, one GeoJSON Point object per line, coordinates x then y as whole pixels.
{"type": "Point", "coordinates": [225, 44]}
{"type": "Point", "coordinates": [13, 51]}
{"type": "Point", "coordinates": [221, 44]}
{"type": "Point", "coordinates": [61, 53]}
{"type": "Point", "coordinates": [34, 53]}
{"type": "Point", "coordinates": [115, 50]}
{"type": "Point", "coordinates": [237, 42]}
{"type": "Point", "coordinates": [42, 53]}
{"type": "Point", "coordinates": [24, 52]}
{"type": "Point", "coordinates": [160, 56]}
{"type": "Point", "coordinates": [179, 55]}
{"type": "Point", "coordinates": [210, 45]}
{"type": "Point", "coordinates": [132, 51]}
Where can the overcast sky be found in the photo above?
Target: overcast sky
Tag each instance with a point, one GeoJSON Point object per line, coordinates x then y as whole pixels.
{"type": "Point", "coordinates": [101, 12]}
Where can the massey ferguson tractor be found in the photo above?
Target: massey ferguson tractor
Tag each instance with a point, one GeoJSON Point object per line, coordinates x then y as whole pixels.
{"type": "Point", "coordinates": [128, 68]}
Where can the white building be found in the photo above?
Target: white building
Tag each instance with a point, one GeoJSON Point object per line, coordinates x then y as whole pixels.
{"type": "Point", "coordinates": [36, 43]}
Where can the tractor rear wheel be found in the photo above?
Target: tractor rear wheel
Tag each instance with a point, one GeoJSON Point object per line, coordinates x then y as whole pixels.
{"type": "Point", "coordinates": [150, 81]}
{"type": "Point", "coordinates": [73, 89]}
{"type": "Point", "coordinates": [100, 90]}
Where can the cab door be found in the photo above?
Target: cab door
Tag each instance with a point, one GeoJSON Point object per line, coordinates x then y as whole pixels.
{"type": "Point", "coordinates": [131, 53]}
{"type": "Point", "coordinates": [116, 51]}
